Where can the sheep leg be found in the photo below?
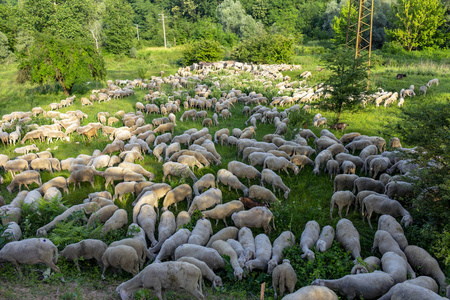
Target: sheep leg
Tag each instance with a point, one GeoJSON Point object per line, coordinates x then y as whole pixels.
{"type": "Point", "coordinates": [77, 265]}
{"type": "Point", "coordinates": [348, 208]}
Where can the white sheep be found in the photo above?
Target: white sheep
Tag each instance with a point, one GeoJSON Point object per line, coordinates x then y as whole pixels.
{"type": "Point", "coordinates": [146, 218]}
{"type": "Point", "coordinates": [395, 265]}
{"type": "Point", "coordinates": [326, 238]}
{"type": "Point", "coordinates": [384, 206]}
{"type": "Point", "coordinates": [341, 199]}
{"type": "Point", "coordinates": [332, 168]}
{"type": "Point", "coordinates": [25, 178]}
{"type": "Point", "coordinates": [425, 264]}
{"type": "Point", "coordinates": [12, 232]}
{"type": "Point", "coordinates": [223, 248]}
{"type": "Point", "coordinates": [262, 255]}
{"type": "Point", "coordinates": [242, 170]}
{"type": "Point", "coordinates": [321, 159]}
{"type": "Point", "coordinates": [344, 182]}
{"type": "Point", "coordinates": [270, 177]}
{"type": "Point", "coordinates": [256, 217]}
{"type": "Point", "coordinates": [301, 160]}
{"type": "Point", "coordinates": [181, 192]}
{"type": "Point", "coordinates": [277, 163]}
{"type": "Point", "coordinates": [205, 200]}
{"type": "Point", "coordinates": [312, 292]}
{"type": "Point", "coordinates": [30, 252]}
{"type": "Point", "coordinates": [102, 215]}
{"type": "Point", "coordinates": [207, 273]}
{"type": "Point", "coordinates": [224, 234]}
{"type": "Point", "coordinates": [227, 178]}
{"type": "Point", "coordinates": [183, 218]}
{"type": "Point", "coordinates": [174, 275]}
{"type": "Point", "coordinates": [283, 276]}
{"type": "Point", "coordinates": [263, 194]}
{"type": "Point", "coordinates": [284, 240]}
{"type": "Point", "coordinates": [177, 169]}
{"type": "Point", "coordinates": [348, 167]}
{"type": "Point", "coordinates": [168, 247]}
{"type": "Point", "coordinates": [201, 232]}
{"type": "Point", "coordinates": [430, 83]}
{"type": "Point", "coordinates": [369, 265]}
{"type": "Point", "coordinates": [85, 249]}
{"type": "Point", "coordinates": [167, 226]}
{"type": "Point", "coordinates": [309, 238]}
{"type": "Point", "coordinates": [389, 224]}
{"type": "Point", "coordinates": [208, 255]}
{"type": "Point", "coordinates": [222, 211]}
{"type": "Point", "coordinates": [348, 237]}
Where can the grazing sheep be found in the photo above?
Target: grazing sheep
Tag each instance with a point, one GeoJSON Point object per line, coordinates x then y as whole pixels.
{"type": "Point", "coordinates": [86, 249]}
{"type": "Point", "coordinates": [270, 177]}
{"type": "Point", "coordinates": [368, 286]}
{"type": "Point", "coordinates": [30, 252]}
{"type": "Point", "coordinates": [208, 255]}
{"type": "Point", "coordinates": [257, 192]}
{"type": "Point", "coordinates": [348, 167]}
{"type": "Point", "coordinates": [177, 169]}
{"type": "Point", "coordinates": [301, 160]}
{"type": "Point", "coordinates": [341, 199]}
{"type": "Point", "coordinates": [344, 182]}
{"type": "Point", "coordinates": [16, 165]}
{"type": "Point", "coordinates": [309, 237]}
{"type": "Point", "coordinates": [102, 215]}
{"type": "Point", "coordinates": [382, 205]}
{"type": "Point", "coordinates": [348, 237]}
{"type": "Point", "coordinates": [12, 232]}
{"type": "Point", "coordinates": [332, 168]}
{"type": "Point", "coordinates": [207, 273]}
{"type": "Point", "coordinates": [242, 170]}
{"type": "Point", "coordinates": [227, 178]}
{"type": "Point", "coordinates": [123, 188]}
{"type": "Point", "coordinates": [26, 149]}
{"type": "Point", "coordinates": [425, 264]}
{"type": "Point", "coordinates": [122, 257]}
{"type": "Point", "coordinates": [223, 248]}
{"type": "Point", "coordinates": [283, 276]}
{"type": "Point", "coordinates": [410, 291]}
{"type": "Point", "coordinates": [399, 189]}
{"type": "Point", "coordinates": [368, 184]}
{"type": "Point", "coordinates": [378, 165]}
{"type": "Point", "coordinates": [222, 211]}
{"type": "Point", "coordinates": [284, 240]}
{"type": "Point", "coordinates": [25, 178]}
{"type": "Point", "coordinates": [341, 157]}
{"type": "Point", "coordinates": [117, 220]}
{"type": "Point", "coordinates": [201, 232]}
{"type": "Point", "coordinates": [181, 192]}
{"type": "Point", "coordinates": [395, 265]}
{"type": "Point", "coordinates": [326, 238]}
{"type": "Point", "coordinates": [370, 264]}
{"type": "Point", "coordinates": [166, 228]}
{"type": "Point", "coordinates": [312, 292]}
{"type": "Point", "coordinates": [146, 218]}
{"type": "Point", "coordinates": [137, 244]}
{"type": "Point", "coordinates": [168, 247]}
{"type": "Point", "coordinates": [206, 181]}
{"type": "Point", "coordinates": [208, 199]}
{"type": "Point", "coordinates": [430, 83]}
{"type": "Point", "coordinates": [322, 158]}
{"type": "Point", "coordinates": [277, 163]}
{"type": "Point", "coordinates": [389, 224]}
{"type": "Point", "coordinates": [263, 253]}
{"type": "Point", "coordinates": [174, 275]}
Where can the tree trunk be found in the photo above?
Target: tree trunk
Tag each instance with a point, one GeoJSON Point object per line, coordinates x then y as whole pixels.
{"type": "Point", "coordinates": [339, 114]}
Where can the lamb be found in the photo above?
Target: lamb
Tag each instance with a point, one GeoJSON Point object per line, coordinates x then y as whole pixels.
{"type": "Point", "coordinates": [389, 224]}
{"type": "Point", "coordinates": [321, 158]}
{"type": "Point", "coordinates": [85, 208]}
{"type": "Point", "coordinates": [166, 228]}
{"type": "Point", "coordinates": [368, 286]}
{"type": "Point", "coordinates": [425, 264]}
{"type": "Point", "coordinates": [309, 238]}
{"type": "Point", "coordinates": [86, 249]}
{"type": "Point", "coordinates": [137, 244]}
{"type": "Point", "coordinates": [261, 193]}
{"type": "Point", "coordinates": [254, 218]}
{"type": "Point", "coordinates": [326, 238]}
{"type": "Point", "coordinates": [26, 149]}
{"type": "Point", "coordinates": [208, 255]}
{"type": "Point", "coordinates": [223, 248]}
{"type": "Point", "coordinates": [117, 220]}
{"type": "Point", "coordinates": [242, 170]}
{"type": "Point", "coordinates": [12, 232]}
{"type": "Point", "coordinates": [383, 205]}
{"type": "Point", "coordinates": [423, 89]}
{"type": "Point", "coordinates": [227, 178]}
{"type": "Point", "coordinates": [262, 255]}
{"type": "Point", "coordinates": [344, 182]}
{"type": "Point", "coordinates": [168, 247]}
{"type": "Point", "coordinates": [224, 235]}
{"type": "Point", "coordinates": [30, 252]}
{"type": "Point", "coordinates": [181, 192]}
{"type": "Point", "coordinates": [208, 199]}
{"type": "Point", "coordinates": [207, 273]}
{"type": "Point", "coordinates": [368, 184]}
{"type": "Point", "coordinates": [284, 276]}
{"type": "Point", "coordinates": [25, 178]}
{"type": "Point", "coordinates": [270, 177]}
{"type": "Point", "coordinates": [206, 181]}
{"type": "Point", "coordinates": [332, 168]}
{"type": "Point", "coordinates": [348, 237]}
{"type": "Point", "coordinates": [122, 257]}
{"type": "Point", "coordinates": [222, 211]}
{"type": "Point", "coordinates": [284, 240]}
{"type": "Point", "coordinates": [312, 292]}
{"type": "Point", "coordinates": [201, 232]}
{"type": "Point", "coordinates": [102, 215]}
{"type": "Point", "coordinates": [174, 275]}
{"type": "Point", "coordinates": [177, 169]}
{"type": "Point", "coordinates": [277, 163]}
{"type": "Point", "coordinates": [430, 83]}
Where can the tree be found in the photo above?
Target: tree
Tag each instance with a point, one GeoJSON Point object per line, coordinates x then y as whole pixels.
{"type": "Point", "coordinates": [6, 55]}
{"type": "Point", "coordinates": [347, 79]}
{"type": "Point", "coordinates": [118, 30]}
{"type": "Point", "coordinates": [203, 50]}
{"type": "Point", "coordinates": [416, 23]}
{"type": "Point", "coordinates": [66, 61]}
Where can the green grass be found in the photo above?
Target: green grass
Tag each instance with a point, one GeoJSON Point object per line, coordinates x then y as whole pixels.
{"type": "Point", "coordinates": [310, 195]}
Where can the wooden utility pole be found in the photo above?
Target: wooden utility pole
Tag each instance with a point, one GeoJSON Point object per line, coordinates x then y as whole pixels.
{"type": "Point", "coordinates": [137, 30]}
{"type": "Point", "coordinates": [164, 29]}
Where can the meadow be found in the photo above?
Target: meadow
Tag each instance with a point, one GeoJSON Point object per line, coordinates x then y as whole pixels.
{"type": "Point", "coordinates": [309, 198]}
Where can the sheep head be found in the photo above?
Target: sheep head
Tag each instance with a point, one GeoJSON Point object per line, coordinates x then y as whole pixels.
{"type": "Point", "coordinates": [271, 265]}
{"type": "Point", "coordinates": [407, 220]}
{"type": "Point", "coordinates": [309, 255]}
{"type": "Point", "coordinates": [321, 245]}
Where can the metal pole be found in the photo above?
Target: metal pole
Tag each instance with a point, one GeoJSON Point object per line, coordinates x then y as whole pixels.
{"type": "Point", "coordinates": [370, 45]}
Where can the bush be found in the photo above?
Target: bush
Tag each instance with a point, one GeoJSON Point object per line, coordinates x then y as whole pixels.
{"type": "Point", "coordinates": [267, 48]}
{"type": "Point", "coordinates": [133, 52]}
{"type": "Point", "coordinates": [206, 50]}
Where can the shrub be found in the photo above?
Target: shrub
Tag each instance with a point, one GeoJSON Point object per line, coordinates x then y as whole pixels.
{"type": "Point", "coordinates": [133, 52]}
{"type": "Point", "coordinates": [206, 50]}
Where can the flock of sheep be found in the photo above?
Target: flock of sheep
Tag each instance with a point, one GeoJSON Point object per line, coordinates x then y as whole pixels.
{"type": "Point", "coordinates": [180, 258]}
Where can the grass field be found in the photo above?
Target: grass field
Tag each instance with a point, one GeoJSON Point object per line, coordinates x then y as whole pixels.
{"type": "Point", "coordinates": [309, 198]}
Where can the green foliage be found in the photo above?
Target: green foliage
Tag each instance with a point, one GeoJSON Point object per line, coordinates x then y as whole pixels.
{"type": "Point", "coordinates": [6, 55]}
{"type": "Point", "coordinates": [267, 48]}
{"type": "Point", "coordinates": [118, 31]}
{"type": "Point", "coordinates": [197, 215]}
{"type": "Point", "coordinates": [340, 23]}
{"type": "Point", "coordinates": [65, 61]}
{"type": "Point", "coordinates": [346, 79]}
{"type": "Point", "coordinates": [133, 52]}
{"type": "Point", "coordinates": [332, 264]}
{"type": "Point", "coordinates": [416, 23]}
{"type": "Point", "coordinates": [206, 50]}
